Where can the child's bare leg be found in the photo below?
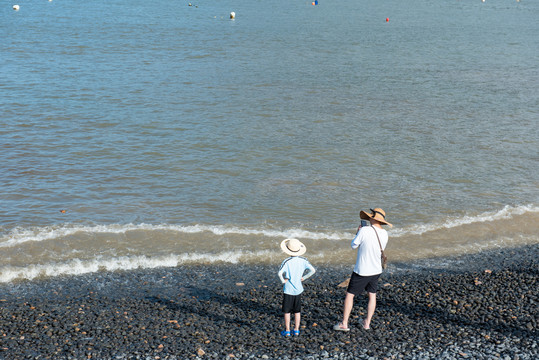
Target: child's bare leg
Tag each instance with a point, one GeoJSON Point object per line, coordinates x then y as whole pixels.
{"type": "Point", "coordinates": [287, 321]}
{"type": "Point", "coordinates": [297, 319]}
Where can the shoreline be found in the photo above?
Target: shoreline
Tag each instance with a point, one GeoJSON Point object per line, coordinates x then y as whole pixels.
{"type": "Point", "coordinates": [480, 306]}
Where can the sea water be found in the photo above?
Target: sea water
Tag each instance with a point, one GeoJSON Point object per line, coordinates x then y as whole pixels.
{"type": "Point", "coordinates": [140, 134]}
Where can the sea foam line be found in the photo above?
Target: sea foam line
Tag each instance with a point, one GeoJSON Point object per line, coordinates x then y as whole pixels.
{"type": "Point", "coordinates": [506, 213]}
{"type": "Point", "coordinates": [19, 235]}
{"type": "Point", "coordinates": [80, 267]}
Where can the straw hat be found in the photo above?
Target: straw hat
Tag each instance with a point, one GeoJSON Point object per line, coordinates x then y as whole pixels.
{"type": "Point", "coordinates": [376, 214]}
{"type": "Point", "coordinates": [293, 247]}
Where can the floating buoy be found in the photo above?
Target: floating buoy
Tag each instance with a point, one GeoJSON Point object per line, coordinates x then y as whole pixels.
{"type": "Point", "coordinates": [63, 211]}
{"type": "Point", "coordinates": [15, 7]}
{"type": "Point", "coordinates": [232, 15]}
{"type": "Point", "coordinates": [387, 19]}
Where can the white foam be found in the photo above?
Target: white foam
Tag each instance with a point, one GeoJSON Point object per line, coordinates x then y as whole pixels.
{"type": "Point", "coordinates": [18, 235]}
{"type": "Point", "coordinates": [506, 213]}
{"type": "Point", "coordinates": [80, 267]}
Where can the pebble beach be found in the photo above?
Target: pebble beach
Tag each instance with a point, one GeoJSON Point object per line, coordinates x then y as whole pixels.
{"type": "Point", "coordinates": [154, 155]}
{"type": "Point", "coordinates": [481, 306]}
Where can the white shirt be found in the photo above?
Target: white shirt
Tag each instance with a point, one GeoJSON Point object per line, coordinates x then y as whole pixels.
{"type": "Point", "coordinates": [368, 260]}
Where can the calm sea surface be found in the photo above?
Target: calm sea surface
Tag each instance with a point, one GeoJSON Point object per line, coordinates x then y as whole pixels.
{"type": "Point", "coordinates": [154, 133]}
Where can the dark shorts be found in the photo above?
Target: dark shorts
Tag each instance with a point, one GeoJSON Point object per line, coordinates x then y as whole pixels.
{"type": "Point", "coordinates": [291, 303]}
{"type": "Point", "coordinates": [358, 284]}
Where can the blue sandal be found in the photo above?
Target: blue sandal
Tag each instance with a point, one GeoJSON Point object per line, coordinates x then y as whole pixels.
{"type": "Point", "coordinates": [296, 332]}
{"type": "Point", "coordinates": [285, 333]}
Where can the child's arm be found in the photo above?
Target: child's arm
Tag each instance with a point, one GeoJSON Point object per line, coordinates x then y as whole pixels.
{"type": "Point", "coordinates": [310, 271]}
{"type": "Point", "coordinates": [281, 275]}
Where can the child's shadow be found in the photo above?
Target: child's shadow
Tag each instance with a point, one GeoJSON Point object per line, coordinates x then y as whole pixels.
{"type": "Point", "coordinates": [243, 307]}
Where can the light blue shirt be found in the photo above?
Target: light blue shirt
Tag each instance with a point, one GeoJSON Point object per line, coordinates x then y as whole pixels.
{"type": "Point", "coordinates": [291, 274]}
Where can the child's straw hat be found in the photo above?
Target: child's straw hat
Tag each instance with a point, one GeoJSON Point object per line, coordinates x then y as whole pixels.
{"type": "Point", "coordinates": [293, 247]}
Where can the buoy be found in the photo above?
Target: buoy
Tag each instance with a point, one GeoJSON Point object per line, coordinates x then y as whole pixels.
{"type": "Point", "coordinates": [387, 19]}
{"type": "Point", "coordinates": [63, 211]}
{"type": "Point", "coordinates": [15, 7]}
{"type": "Point", "coordinates": [232, 15]}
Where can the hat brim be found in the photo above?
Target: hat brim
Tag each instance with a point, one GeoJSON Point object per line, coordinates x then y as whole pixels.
{"type": "Point", "coordinates": [285, 248]}
{"type": "Point", "coordinates": [366, 216]}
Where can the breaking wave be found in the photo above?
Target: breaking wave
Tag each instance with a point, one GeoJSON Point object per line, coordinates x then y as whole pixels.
{"type": "Point", "coordinates": [21, 235]}
{"type": "Point", "coordinates": [80, 267]}
{"type": "Point", "coordinates": [507, 212]}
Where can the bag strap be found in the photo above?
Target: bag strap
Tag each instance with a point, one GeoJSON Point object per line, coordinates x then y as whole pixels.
{"type": "Point", "coordinates": [379, 243]}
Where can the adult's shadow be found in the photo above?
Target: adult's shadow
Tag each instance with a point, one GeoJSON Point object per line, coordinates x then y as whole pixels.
{"type": "Point", "coordinates": [481, 302]}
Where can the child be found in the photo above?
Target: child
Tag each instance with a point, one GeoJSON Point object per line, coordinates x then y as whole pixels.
{"type": "Point", "coordinates": [291, 275]}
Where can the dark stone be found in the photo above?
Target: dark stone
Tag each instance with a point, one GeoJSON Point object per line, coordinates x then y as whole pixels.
{"type": "Point", "coordinates": [172, 312]}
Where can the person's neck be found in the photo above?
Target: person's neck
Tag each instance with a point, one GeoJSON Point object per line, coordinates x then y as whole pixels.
{"type": "Point", "coordinates": [377, 224]}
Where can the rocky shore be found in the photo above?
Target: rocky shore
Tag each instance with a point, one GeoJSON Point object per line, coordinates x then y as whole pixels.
{"type": "Point", "coordinates": [482, 306]}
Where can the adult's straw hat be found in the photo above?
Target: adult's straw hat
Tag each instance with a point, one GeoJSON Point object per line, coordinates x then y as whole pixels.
{"type": "Point", "coordinates": [293, 247]}
{"type": "Point", "coordinates": [376, 214]}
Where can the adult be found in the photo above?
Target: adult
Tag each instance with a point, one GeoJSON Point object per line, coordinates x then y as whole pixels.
{"type": "Point", "coordinates": [368, 268]}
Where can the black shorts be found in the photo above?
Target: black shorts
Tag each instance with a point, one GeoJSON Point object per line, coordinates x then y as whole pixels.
{"type": "Point", "coordinates": [358, 284]}
{"type": "Point", "coordinates": [291, 303]}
